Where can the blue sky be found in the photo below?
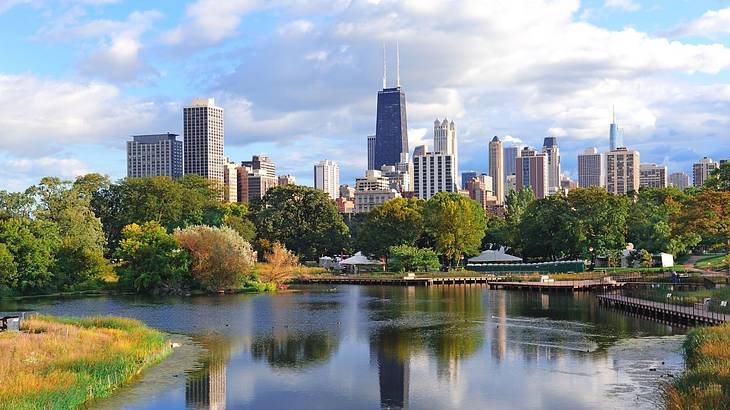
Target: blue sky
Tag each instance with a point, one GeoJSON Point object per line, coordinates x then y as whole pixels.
{"type": "Point", "coordinates": [298, 79]}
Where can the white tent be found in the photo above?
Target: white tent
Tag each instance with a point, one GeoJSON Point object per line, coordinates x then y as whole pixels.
{"type": "Point", "coordinates": [359, 259]}
{"type": "Point", "coordinates": [499, 256]}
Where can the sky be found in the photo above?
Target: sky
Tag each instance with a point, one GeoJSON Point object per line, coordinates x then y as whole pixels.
{"type": "Point", "coordinates": [298, 79]}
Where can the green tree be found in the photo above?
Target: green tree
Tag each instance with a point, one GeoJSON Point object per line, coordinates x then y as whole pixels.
{"type": "Point", "coordinates": [719, 179]}
{"type": "Point", "coordinates": [221, 259]}
{"type": "Point", "coordinates": [455, 224]}
{"type": "Point", "coordinates": [515, 205]}
{"type": "Point", "coordinates": [398, 221]}
{"type": "Point", "coordinates": [598, 221]}
{"type": "Point", "coordinates": [405, 258]}
{"type": "Point", "coordinates": [708, 214]}
{"type": "Point", "coordinates": [32, 244]}
{"type": "Point", "coordinates": [8, 269]}
{"type": "Point", "coordinates": [305, 220]}
{"type": "Point", "coordinates": [236, 217]}
{"type": "Point", "coordinates": [545, 229]}
{"type": "Point", "coordinates": [152, 260]}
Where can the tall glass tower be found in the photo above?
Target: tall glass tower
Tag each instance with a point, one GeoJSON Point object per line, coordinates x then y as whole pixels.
{"type": "Point", "coordinates": [391, 128]}
{"type": "Point", "coordinates": [615, 138]}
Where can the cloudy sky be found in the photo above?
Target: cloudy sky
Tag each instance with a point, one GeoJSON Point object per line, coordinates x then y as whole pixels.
{"type": "Point", "coordinates": [298, 78]}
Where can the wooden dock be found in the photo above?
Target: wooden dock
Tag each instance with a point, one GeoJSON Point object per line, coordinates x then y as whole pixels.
{"type": "Point", "coordinates": [563, 285]}
{"type": "Point", "coordinates": [396, 281]}
{"type": "Point", "coordinates": [689, 315]}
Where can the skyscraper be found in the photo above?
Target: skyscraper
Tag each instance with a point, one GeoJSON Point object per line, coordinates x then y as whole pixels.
{"type": "Point", "coordinates": [391, 127]}
{"type": "Point", "coordinates": [622, 171]}
{"type": "Point", "coordinates": [154, 155]}
{"type": "Point", "coordinates": [433, 172]}
{"type": "Point", "coordinates": [550, 148]}
{"type": "Point", "coordinates": [203, 139]}
{"type": "Point", "coordinates": [679, 180]}
{"type": "Point", "coordinates": [532, 171]}
{"type": "Point", "coordinates": [230, 181]}
{"type": "Point", "coordinates": [591, 170]}
{"type": "Point", "coordinates": [327, 177]}
{"type": "Point", "coordinates": [615, 138]}
{"type": "Point", "coordinates": [701, 170]}
{"type": "Point", "coordinates": [444, 141]}
{"type": "Point", "coordinates": [496, 168]}
{"type": "Point", "coordinates": [371, 151]}
{"type": "Point", "coordinates": [653, 175]}
{"type": "Point", "coordinates": [260, 176]}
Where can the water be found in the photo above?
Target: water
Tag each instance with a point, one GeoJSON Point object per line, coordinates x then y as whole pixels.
{"type": "Point", "coordinates": [357, 347]}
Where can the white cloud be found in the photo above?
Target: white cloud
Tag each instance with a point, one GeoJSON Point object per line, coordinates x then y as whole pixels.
{"type": "Point", "coordinates": [209, 22]}
{"type": "Point", "coordinates": [62, 167]}
{"type": "Point", "coordinates": [709, 24]}
{"type": "Point", "coordinates": [626, 5]}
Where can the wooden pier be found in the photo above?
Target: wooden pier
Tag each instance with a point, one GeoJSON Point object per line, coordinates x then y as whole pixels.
{"type": "Point", "coordinates": [688, 315]}
{"type": "Point", "coordinates": [563, 285]}
{"type": "Point", "coordinates": [396, 281]}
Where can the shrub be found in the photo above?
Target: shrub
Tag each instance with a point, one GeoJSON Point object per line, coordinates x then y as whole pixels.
{"type": "Point", "coordinates": [413, 259]}
{"type": "Point", "coordinates": [282, 264]}
{"type": "Point", "coordinates": [221, 259]}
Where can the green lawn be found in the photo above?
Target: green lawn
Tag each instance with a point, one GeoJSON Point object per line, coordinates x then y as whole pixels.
{"type": "Point", "coordinates": [715, 262]}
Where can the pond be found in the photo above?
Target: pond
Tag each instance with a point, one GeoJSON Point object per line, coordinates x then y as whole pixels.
{"type": "Point", "coordinates": [358, 347]}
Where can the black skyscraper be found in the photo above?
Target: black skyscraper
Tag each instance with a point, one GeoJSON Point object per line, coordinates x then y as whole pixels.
{"type": "Point", "coordinates": [391, 127]}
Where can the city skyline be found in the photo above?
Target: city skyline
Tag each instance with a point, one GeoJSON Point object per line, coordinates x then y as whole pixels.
{"type": "Point", "coordinates": [123, 68]}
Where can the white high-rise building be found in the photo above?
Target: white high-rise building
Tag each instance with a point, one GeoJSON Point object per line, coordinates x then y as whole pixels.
{"type": "Point", "coordinates": [230, 181]}
{"type": "Point", "coordinates": [154, 155]}
{"type": "Point", "coordinates": [591, 169]}
{"type": "Point", "coordinates": [679, 180]}
{"type": "Point", "coordinates": [550, 148]}
{"type": "Point", "coordinates": [701, 170]}
{"type": "Point", "coordinates": [203, 139]}
{"type": "Point", "coordinates": [496, 168]}
{"type": "Point", "coordinates": [327, 177]}
{"type": "Point", "coordinates": [445, 142]}
{"type": "Point", "coordinates": [622, 171]}
{"type": "Point", "coordinates": [434, 172]}
{"type": "Point", "coordinates": [653, 175]}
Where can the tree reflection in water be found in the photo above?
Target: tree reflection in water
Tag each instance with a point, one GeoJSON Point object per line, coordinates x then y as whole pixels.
{"type": "Point", "coordinates": [294, 350]}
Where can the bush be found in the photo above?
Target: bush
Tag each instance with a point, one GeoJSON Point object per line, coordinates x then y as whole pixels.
{"type": "Point", "coordinates": [412, 259]}
{"type": "Point", "coordinates": [281, 265]}
{"type": "Point", "coordinates": [221, 259]}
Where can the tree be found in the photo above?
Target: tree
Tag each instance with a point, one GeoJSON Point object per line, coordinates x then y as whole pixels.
{"type": "Point", "coordinates": [546, 228]}
{"type": "Point", "coordinates": [304, 220]}
{"type": "Point", "coordinates": [235, 216]}
{"type": "Point", "coordinates": [221, 259]}
{"type": "Point", "coordinates": [8, 269]}
{"type": "Point", "coordinates": [515, 205]}
{"type": "Point", "coordinates": [719, 179]}
{"type": "Point", "coordinates": [653, 222]}
{"type": "Point", "coordinates": [598, 221]}
{"type": "Point", "coordinates": [152, 260]}
{"type": "Point", "coordinates": [455, 224]}
{"type": "Point", "coordinates": [32, 244]}
{"type": "Point", "coordinates": [708, 214]}
{"type": "Point", "coordinates": [405, 258]}
{"type": "Point", "coordinates": [281, 265]}
{"type": "Point", "coordinates": [398, 221]}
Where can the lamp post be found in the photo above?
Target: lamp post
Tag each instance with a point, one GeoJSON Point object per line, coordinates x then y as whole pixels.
{"type": "Point", "coordinates": [593, 258]}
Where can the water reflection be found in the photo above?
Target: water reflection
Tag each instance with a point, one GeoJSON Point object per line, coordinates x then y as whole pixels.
{"type": "Point", "coordinates": [365, 347]}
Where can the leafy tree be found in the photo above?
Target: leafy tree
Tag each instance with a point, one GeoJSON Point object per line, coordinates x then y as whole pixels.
{"type": "Point", "coordinates": [398, 221]}
{"type": "Point", "coordinates": [405, 258]}
{"type": "Point", "coordinates": [515, 205]}
{"type": "Point", "coordinates": [545, 229]}
{"type": "Point", "coordinates": [281, 265]}
{"type": "Point", "coordinates": [455, 224]}
{"type": "Point", "coordinates": [598, 220]}
{"type": "Point", "coordinates": [235, 216]}
{"type": "Point", "coordinates": [8, 269]}
{"type": "Point", "coordinates": [305, 220]}
{"type": "Point", "coordinates": [152, 260]}
{"type": "Point", "coordinates": [719, 179]}
{"type": "Point", "coordinates": [708, 214]}
{"type": "Point", "coordinates": [32, 244]}
{"type": "Point", "coordinates": [221, 259]}
{"type": "Point", "coordinates": [653, 222]}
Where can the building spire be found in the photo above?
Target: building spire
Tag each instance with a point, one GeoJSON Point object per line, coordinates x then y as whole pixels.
{"type": "Point", "coordinates": [613, 109]}
{"type": "Point", "coordinates": [397, 64]}
{"type": "Point", "coordinates": [385, 68]}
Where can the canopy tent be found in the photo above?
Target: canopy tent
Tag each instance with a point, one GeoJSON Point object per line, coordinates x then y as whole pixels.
{"type": "Point", "coordinates": [491, 256]}
{"type": "Point", "coordinates": [359, 262]}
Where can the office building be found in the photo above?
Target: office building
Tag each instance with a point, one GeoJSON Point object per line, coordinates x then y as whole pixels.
{"type": "Point", "coordinates": [262, 163]}
{"type": "Point", "coordinates": [154, 155]}
{"type": "Point", "coordinates": [255, 177]}
{"type": "Point", "coordinates": [371, 151]}
{"type": "Point", "coordinates": [496, 168]}
{"type": "Point", "coordinates": [391, 127]}
{"type": "Point", "coordinates": [567, 184]}
{"type": "Point", "coordinates": [480, 190]}
{"type": "Point", "coordinates": [701, 170]}
{"type": "Point", "coordinates": [445, 141]}
{"type": "Point", "coordinates": [327, 177]}
{"type": "Point", "coordinates": [399, 179]}
{"type": "Point", "coordinates": [510, 158]}
{"type": "Point", "coordinates": [622, 171]}
{"type": "Point", "coordinates": [550, 148]}
{"type": "Point", "coordinates": [466, 176]}
{"type": "Point", "coordinates": [287, 180]}
{"type": "Point", "coordinates": [532, 172]}
{"type": "Point", "coordinates": [372, 190]}
{"type": "Point", "coordinates": [653, 176]}
{"type": "Point", "coordinates": [433, 172]}
{"type": "Point", "coordinates": [615, 139]}
{"type": "Point", "coordinates": [230, 181]}
{"type": "Point", "coordinates": [679, 180]}
{"type": "Point", "coordinates": [591, 169]}
{"type": "Point", "coordinates": [511, 183]}
{"type": "Point", "coordinates": [203, 139]}
{"type": "Point", "coordinates": [347, 191]}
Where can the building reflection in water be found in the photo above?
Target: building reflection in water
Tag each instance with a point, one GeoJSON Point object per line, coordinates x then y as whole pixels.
{"type": "Point", "coordinates": [206, 388]}
{"type": "Point", "coordinates": [392, 349]}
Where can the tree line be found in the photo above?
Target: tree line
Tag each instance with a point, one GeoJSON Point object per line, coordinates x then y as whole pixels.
{"type": "Point", "coordinates": [164, 235]}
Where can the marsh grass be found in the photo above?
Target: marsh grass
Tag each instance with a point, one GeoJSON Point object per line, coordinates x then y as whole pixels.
{"type": "Point", "coordinates": [705, 383]}
{"type": "Point", "coordinates": [66, 362]}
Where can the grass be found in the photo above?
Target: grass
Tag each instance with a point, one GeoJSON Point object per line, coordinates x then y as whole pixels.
{"type": "Point", "coordinates": [66, 362]}
{"type": "Point", "coordinates": [685, 298]}
{"type": "Point", "coordinates": [705, 383]}
{"type": "Point", "coordinates": [716, 262]}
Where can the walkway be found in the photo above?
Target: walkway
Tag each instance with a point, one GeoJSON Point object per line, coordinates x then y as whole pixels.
{"type": "Point", "coordinates": [567, 285]}
{"type": "Point", "coordinates": [691, 315]}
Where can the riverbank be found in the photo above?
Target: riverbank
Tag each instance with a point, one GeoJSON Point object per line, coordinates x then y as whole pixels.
{"type": "Point", "coordinates": [705, 383]}
{"type": "Point", "coordinates": [65, 362]}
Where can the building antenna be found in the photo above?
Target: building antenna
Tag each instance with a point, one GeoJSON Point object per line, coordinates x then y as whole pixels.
{"type": "Point", "coordinates": [397, 64]}
{"type": "Point", "coordinates": [613, 108]}
{"type": "Point", "coordinates": [385, 69]}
